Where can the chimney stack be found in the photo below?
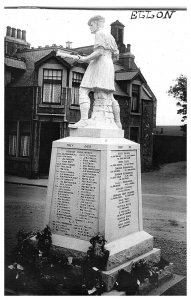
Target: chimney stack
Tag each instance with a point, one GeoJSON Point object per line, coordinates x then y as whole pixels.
{"type": "Point", "coordinates": [14, 33]}
{"type": "Point", "coordinates": [117, 30]}
{"type": "Point", "coordinates": [15, 40]}
{"type": "Point", "coordinates": [19, 34]}
{"type": "Point", "coordinates": [24, 35]}
{"type": "Point", "coordinates": [8, 31]}
{"type": "Point", "coordinates": [127, 59]}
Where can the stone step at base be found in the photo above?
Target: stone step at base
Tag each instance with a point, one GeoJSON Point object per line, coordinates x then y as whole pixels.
{"type": "Point", "coordinates": [154, 291]}
{"type": "Point", "coordinates": [120, 251]}
{"type": "Point", "coordinates": [110, 277]}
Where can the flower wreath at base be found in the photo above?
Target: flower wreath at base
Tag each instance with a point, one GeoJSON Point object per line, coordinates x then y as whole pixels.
{"type": "Point", "coordinates": [35, 269]}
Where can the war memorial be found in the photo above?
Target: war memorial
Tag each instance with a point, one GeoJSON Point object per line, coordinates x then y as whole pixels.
{"type": "Point", "coordinates": [95, 175]}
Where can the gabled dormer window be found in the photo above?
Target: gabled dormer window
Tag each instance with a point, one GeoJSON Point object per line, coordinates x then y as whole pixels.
{"type": "Point", "coordinates": [52, 86]}
{"type": "Point", "coordinates": [135, 98]}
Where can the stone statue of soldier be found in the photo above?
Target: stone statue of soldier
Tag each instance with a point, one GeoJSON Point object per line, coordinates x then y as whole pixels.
{"type": "Point", "coordinates": [99, 77]}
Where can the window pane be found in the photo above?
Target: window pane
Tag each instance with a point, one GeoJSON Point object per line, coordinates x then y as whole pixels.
{"type": "Point", "coordinates": [134, 104]}
{"type": "Point", "coordinates": [47, 88]}
{"type": "Point", "coordinates": [24, 145]}
{"type": "Point", "coordinates": [12, 145]}
{"type": "Point", "coordinates": [45, 73]}
{"type": "Point", "coordinates": [53, 74]}
{"type": "Point", "coordinates": [77, 77]}
{"type": "Point", "coordinates": [135, 88]}
{"type": "Point", "coordinates": [75, 95]}
{"type": "Point", "coordinates": [58, 74]}
{"type": "Point", "coordinates": [50, 73]}
{"type": "Point", "coordinates": [56, 93]}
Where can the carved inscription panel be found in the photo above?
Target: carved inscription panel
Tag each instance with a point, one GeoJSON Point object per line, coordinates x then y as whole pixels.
{"type": "Point", "coordinates": [123, 200]}
{"type": "Point", "coordinates": [75, 197]}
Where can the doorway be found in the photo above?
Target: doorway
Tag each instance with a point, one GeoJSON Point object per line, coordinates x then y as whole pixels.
{"type": "Point", "coordinates": [49, 133]}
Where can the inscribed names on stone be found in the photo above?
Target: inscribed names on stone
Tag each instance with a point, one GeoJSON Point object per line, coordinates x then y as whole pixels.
{"type": "Point", "coordinates": [75, 197]}
{"type": "Point", "coordinates": [123, 191]}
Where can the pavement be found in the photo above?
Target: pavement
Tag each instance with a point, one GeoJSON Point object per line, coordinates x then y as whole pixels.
{"type": "Point", "coordinates": [175, 171]}
{"type": "Point", "coordinates": [42, 182]}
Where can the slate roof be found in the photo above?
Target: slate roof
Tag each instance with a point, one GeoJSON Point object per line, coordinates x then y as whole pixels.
{"type": "Point", "coordinates": [124, 75]}
{"type": "Point", "coordinates": [15, 63]}
{"type": "Point", "coordinates": [86, 50]}
{"type": "Point", "coordinates": [119, 91]}
{"type": "Point", "coordinates": [31, 56]}
{"type": "Point", "coordinates": [145, 94]}
{"type": "Point", "coordinates": [118, 67]}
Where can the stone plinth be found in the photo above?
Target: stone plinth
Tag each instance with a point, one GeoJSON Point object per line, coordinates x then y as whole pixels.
{"type": "Point", "coordinates": [97, 132]}
{"type": "Point", "coordinates": [95, 187]}
{"type": "Point", "coordinates": [110, 277]}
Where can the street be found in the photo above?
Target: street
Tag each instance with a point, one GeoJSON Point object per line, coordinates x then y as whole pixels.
{"type": "Point", "coordinates": [164, 211]}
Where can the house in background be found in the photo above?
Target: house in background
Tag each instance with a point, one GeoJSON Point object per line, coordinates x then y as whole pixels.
{"type": "Point", "coordinates": [42, 98]}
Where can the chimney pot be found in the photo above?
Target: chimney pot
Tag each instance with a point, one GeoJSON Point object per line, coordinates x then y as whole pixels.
{"type": "Point", "coordinates": [24, 35]}
{"type": "Point", "coordinates": [8, 31]}
{"type": "Point", "coordinates": [18, 33]}
{"type": "Point", "coordinates": [129, 48]}
{"type": "Point", "coordinates": [13, 34]}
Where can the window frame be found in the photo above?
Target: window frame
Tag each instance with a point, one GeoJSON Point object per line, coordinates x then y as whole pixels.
{"type": "Point", "coordinates": [76, 84]}
{"type": "Point", "coordinates": [53, 82]}
{"type": "Point", "coordinates": [137, 95]}
{"type": "Point", "coordinates": [19, 132]}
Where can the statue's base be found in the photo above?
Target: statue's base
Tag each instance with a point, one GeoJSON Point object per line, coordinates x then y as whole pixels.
{"type": "Point", "coordinates": [121, 250]}
{"type": "Point", "coordinates": [95, 187]}
{"type": "Point", "coordinates": [166, 281]}
{"type": "Point", "coordinates": [110, 277]}
{"type": "Point", "coordinates": [97, 132]}
{"type": "Point", "coordinates": [123, 253]}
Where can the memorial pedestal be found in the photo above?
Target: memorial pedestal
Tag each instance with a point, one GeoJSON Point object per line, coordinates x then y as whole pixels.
{"type": "Point", "coordinates": [95, 187]}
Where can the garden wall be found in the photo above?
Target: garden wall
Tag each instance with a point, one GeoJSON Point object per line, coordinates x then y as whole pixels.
{"type": "Point", "coordinates": [168, 149]}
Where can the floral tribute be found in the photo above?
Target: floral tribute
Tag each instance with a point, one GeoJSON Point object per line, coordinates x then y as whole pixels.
{"type": "Point", "coordinates": [36, 269]}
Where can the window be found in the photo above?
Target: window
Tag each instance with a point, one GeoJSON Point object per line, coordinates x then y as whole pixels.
{"type": "Point", "coordinates": [12, 145]}
{"type": "Point", "coordinates": [19, 139]}
{"type": "Point", "coordinates": [24, 146]}
{"type": "Point", "coordinates": [12, 139]}
{"type": "Point", "coordinates": [52, 86]}
{"type": "Point", "coordinates": [135, 98]}
{"type": "Point", "coordinates": [134, 134]}
{"type": "Point", "coordinates": [76, 80]}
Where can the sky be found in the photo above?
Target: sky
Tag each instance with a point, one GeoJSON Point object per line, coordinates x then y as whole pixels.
{"type": "Point", "coordinates": [159, 44]}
